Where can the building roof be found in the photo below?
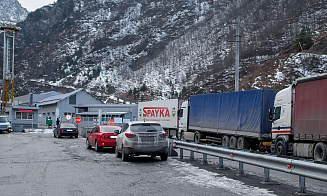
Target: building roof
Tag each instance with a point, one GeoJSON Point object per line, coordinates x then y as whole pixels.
{"type": "Point", "coordinates": [103, 113]}
{"type": "Point", "coordinates": [25, 99]}
{"type": "Point", "coordinates": [106, 106]}
{"type": "Point", "coordinates": [56, 98]}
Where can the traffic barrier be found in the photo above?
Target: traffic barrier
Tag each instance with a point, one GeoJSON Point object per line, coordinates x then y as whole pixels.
{"type": "Point", "coordinates": [267, 161]}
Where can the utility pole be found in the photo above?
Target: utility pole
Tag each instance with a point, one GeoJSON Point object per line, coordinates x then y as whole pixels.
{"type": "Point", "coordinates": [237, 59]}
{"type": "Point", "coordinates": [9, 29]}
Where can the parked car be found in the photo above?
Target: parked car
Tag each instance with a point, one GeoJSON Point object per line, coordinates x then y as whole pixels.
{"type": "Point", "coordinates": [5, 124]}
{"type": "Point", "coordinates": [142, 138]}
{"type": "Point", "coordinates": [102, 136]}
{"type": "Point", "coordinates": [66, 129]}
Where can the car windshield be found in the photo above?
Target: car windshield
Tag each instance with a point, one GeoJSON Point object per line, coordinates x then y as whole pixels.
{"type": "Point", "coordinates": [109, 129]}
{"type": "Point", "coordinates": [3, 119]}
{"type": "Point", "coordinates": [146, 127]}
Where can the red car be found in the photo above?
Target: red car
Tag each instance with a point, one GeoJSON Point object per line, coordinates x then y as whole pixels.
{"type": "Point", "coordinates": [102, 136]}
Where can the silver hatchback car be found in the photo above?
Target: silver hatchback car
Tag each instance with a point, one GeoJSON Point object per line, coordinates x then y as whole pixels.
{"type": "Point", "coordinates": [142, 138]}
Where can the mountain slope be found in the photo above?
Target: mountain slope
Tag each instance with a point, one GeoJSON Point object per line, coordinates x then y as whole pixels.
{"type": "Point", "coordinates": [147, 50]}
{"type": "Point", "coordinates": [11, 10]}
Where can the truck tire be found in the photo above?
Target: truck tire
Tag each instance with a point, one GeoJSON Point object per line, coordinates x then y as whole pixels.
{"type": "Point", "coordinates": [242, 143]}
{"type": "Point", "coordinates": [225, 141]}
{"type": "Point", "coordinates": [320, 152]}
{"type": "Point", "coordinates": [197, 137]}
{"type": "Point", "coordinates": [232, 142]}
{"type": "Point", "coordinates": [280, 148]}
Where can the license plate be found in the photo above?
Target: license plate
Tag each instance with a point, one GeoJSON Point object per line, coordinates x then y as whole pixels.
{"type": "Point", "coordinates": [147, 139]}
{"type": "Point", "coordinates": [113, 137]}
{"type": "Point", "coordinates": [69, 130]}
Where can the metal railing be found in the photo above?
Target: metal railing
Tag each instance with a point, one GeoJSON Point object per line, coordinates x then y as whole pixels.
{"type": "Point", "coordinates": [267, 161]}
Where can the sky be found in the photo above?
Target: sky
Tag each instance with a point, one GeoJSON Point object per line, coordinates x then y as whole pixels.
{"type": "Point", "coordinates": [32, 5]}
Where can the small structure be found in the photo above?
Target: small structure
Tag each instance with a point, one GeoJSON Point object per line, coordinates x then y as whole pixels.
{"type": "Point", "coordinates": [118, 113]}
{"type": "Point", "coordinates": [63, 106]}
{"type": "Point", "coordinates": [33, 110]}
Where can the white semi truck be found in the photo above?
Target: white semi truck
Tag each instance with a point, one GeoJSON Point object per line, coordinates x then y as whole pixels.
{"type": "Point", "coordinates": [299, 119]}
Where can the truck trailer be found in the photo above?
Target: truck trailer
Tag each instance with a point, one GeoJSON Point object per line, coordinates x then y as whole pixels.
{"type": "Point", "coordinates": [299, 119]}
{"type": "Point", "coordinates": [234, 119]}
{"type": "Point", "coordinates": [161, 111]}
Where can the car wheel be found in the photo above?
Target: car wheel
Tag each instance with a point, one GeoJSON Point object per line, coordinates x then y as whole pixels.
{"type": "Point", "coordinates": [124, 156]}
{"type": "Point", "coordinates": [88, 146]}
{"type": "Point", "coordinates": [97, 147]}
{"type": "Point", "coordinates": [117, 154]}
{"type": "Point", "coordinates": [164, 157]}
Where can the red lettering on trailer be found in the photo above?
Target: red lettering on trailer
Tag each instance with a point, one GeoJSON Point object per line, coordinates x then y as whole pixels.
{"type": "Point", "coordinates": [156, 112]}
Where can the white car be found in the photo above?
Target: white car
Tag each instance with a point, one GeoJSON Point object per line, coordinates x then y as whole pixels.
{"type": "Point", "coordinates": [142, 138]}
{"type": "Point", "coordinates": [5, 124]}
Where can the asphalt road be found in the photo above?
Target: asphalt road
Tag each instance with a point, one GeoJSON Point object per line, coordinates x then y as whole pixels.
{"type": "Point", "coordinates": [38, 164]}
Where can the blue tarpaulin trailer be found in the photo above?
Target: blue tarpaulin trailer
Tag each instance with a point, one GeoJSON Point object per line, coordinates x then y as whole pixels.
{"type": "Point", "coordinates": [242, 113]}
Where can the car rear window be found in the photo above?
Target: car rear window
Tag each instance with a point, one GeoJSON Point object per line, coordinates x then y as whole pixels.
{"type": "Point", "coordinates": [108, 129]}
{"type": "Point", "coordinates": [146, 127]}
{"type": "Point", "coordinates": [67, 125]}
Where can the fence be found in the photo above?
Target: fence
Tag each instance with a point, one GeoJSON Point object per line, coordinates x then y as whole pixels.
{"type": "Point", "coordinates": [297, 167]}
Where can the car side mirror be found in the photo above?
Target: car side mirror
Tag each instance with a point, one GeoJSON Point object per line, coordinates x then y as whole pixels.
{"type": "Point", "coordinates": [116, 131]}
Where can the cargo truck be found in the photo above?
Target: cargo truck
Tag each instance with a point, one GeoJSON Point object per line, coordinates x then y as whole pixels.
{"type": "Point", "coordinates": [234, 119]}
{"type": "Point", "coordinates": [299, 119]}
{"type": "Point", "coordinates": [161, 111]}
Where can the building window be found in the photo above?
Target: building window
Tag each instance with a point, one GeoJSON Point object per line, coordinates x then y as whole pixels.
{"type": "Point", "coordinates": [72, 100]}
{"type": "Point", "coordinates": [24, 115]}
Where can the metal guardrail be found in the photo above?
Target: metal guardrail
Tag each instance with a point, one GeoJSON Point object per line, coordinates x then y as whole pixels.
{"type": "Point", "coordinates": [267, 161]}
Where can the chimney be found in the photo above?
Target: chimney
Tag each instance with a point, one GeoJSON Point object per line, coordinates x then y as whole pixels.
{"type": "Point", "coordinates": [31, 99]}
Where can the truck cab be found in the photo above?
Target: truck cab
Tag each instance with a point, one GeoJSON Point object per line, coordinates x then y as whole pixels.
{"type": "Point", "coordinates": [281, 118]}
{"type": "Point", "coordinates": [182, 119]}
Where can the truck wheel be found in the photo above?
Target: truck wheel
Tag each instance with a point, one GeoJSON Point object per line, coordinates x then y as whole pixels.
{"type": "Point", "coordinates": [320, 152]}
{"type": "Point", "coordinates": [280, 148]}
{"type": "Point", "coordinates": [233, 142]}
{"type": "Point", "coordinates": [225, 141]}
{"type": "Point", "coordinates": [242, 143]}
{"type": "Point", "coordinates": [197, 137]}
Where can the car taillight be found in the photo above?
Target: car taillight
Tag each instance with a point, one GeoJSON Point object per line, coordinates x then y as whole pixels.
{"type": "Point", "coordinates": [163, 134]}
{"type": "Point", "coordinates": [130, 135]}
{"type": "Point", "coordinates": [103, 136]}
{"type": "Point", "coordinates": [76, 130]}
{"type": "Point", "coordinates": [61, 130]}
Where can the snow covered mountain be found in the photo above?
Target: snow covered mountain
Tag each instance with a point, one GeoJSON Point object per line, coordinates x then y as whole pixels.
{"type": "Point", "coordinates": [11, 10]}
{"type": "Point", "coordinates": [141, 49]}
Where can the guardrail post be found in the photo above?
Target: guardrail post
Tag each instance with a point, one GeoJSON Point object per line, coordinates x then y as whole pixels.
{"type": "Point", "coordinates": [221, 163]}
{"type": "Point", "coordinates": [240, 169]}
{"type": "Point", "coordinates": [205, 160]}
{"type": "Point", "coordinates": [302, 188]}
{"type": "Point", "coordinates": [192, 156]}
{"type": "Point", "coordinates": [181, 153]}
{"type": "Point", "coordinates": [266, 177]}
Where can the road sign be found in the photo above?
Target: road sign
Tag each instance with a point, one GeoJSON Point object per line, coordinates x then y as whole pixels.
{"type": "Point", "coordinates": [78, 120]}
{"type": "Point", "coordinates": [111, 122]}
{"type": "Point", "coordinates": [68, 117]}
